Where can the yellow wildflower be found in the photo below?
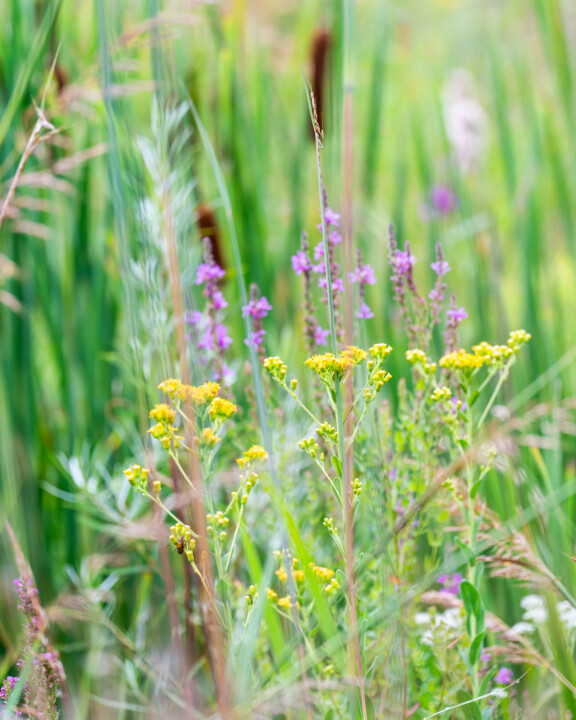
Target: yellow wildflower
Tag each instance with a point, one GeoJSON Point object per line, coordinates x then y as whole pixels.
{"type": "Point", "coordinates": [461, 360]}
{"type": "Point", "coordinates": [299, 576]}
{"type": "Point", "coordinates": [282, 574]}
{"type": "Point", "coordinates": [163, 414]}
{"type": "Point", "coordinates": [169, 387]}
{"type": "Point", "coordinates": [380, 351]}
{"type": "Point", "coordinates": [517, 339]}
{"type": "Point", "coordinates": [253, 454]}
{"type": "Point", "coordinates": [286, 602]}
{"type": "Point", "coordinates": [323, 573]}
{"type": "Point", "coordinates": [276, 368]}
{"type": "Point", "coordinates": [208, 438]}
{"type": "Point", "coordinates": [136, 475]}
{"type": "Point", "coordinates": [221, 408]}
{"type": "Point", "coordinates": [200, 395]}
{"type": "Point", "coordinates": [271, 594]}
{"type": "Point", "coordinates": [441, 394]}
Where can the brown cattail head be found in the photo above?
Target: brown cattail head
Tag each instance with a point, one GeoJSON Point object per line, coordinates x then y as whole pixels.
{"type": "Point", "coordinates": [208, 228]}
{"type": "Point", "coordinates": [319, 59]}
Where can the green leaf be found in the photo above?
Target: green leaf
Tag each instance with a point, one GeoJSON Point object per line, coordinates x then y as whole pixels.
{"type": "Point", "coordinates": [475, 395]}
{"type": "Point", "coordinates": [356, 705]}
{"type": "Point", "coordinates": [473, 603]}
{"type": "Point", "coordinates": [337, 465]}
{"type": "Point", "coordinates": [470, 554]}
{"type": "Point", "coordinates": [471, 711]}
{"type": "Point", "coordinates": [476, 648]}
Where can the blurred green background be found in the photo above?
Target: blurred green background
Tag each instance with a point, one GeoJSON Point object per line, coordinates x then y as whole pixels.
{"type": "Point", "coordinates": [71, 377]}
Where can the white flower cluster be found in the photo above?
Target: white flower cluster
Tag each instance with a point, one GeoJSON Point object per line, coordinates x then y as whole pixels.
{"type": "Point", "coordinates": [438, 625]}
{"type": "Point", "coordinates": [535, 613]}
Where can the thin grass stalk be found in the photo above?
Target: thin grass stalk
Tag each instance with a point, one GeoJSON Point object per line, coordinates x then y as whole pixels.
{"type": "Point", "coordinates": [355, 656]}
{"type": "Point", "coordinates": [212, 628]}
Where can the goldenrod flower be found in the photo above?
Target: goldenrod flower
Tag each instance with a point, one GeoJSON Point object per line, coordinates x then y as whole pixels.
{"type": "Point", "coordinates": [200, 395]}
{"type": "Point", "coordinates": [271, 594]}
{"type": "Point", "coordinates": [221, 408]}
{"type": "Point", "coordinates": [253, 454]}
{"type": "Point", "coordinates": [518, 338]}
{"type": "Point", "coordinates": [169, 387]}
{"type": "Point", "coordinates": [282, 574]}
{"type": "Point", "coordinates": [208, 438]}
{"type": "Point", "coordinates": [323, 573]}
{"type": "Point", "coordinates": [441, 394]}
{"type": "Point", "coordinates": [286, 603]}
{"type": "Point", "coordinates": [276, 368]}
{"type": "Point", "coordinates": [461, 360]}
{"type": "Point", "coordinates": [380, 351]}
{"type": "Point", "coordinates": [163, 414]}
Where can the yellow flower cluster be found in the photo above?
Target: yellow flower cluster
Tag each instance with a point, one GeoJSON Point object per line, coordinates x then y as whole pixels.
{"type": "Point", "coordinates": [492, 354]}
{"type": "Point", "coordinates": [166, 433]}
{"type": "Point", "coordinates": [200, 395]}
{"type": "Point", "coordinates": [208, 438]}
{"type": "Point", "coordinates": [254, 454]}
{"type": "Point", "coordinates": [441, 394]}
{"type": "Point", "coordinates": [163, 414]}
{"type": "Point", "coordinates": [517, 338]}
{"type": "Point", "coordinates": [380, 351]}
{"type": "Point", "coordinates": [137, 475]}
{"type": "Point", "coordinates": [286, 603]}
{"type": "Point", "coordinates": [419, 357]}
{"type": "Point", "coordinates": [328, 366]}
{"type": "Point", "coordinates": [276, 368]}
{"type": "Point", "coordinates": [461, 360]}
{"type": "Point", "coordinates": [221, 409]}
{"type": "Point", "coordinates": [323, 573]}
{"type": "Point", "coordinates": [181, 538]}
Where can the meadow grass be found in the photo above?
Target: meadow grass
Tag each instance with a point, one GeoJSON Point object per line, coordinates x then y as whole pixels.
{"type": "Point", "coordinates": [164, 107]}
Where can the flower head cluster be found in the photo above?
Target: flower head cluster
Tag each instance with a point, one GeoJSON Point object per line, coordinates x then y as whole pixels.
{"type": "Point", "coordinates": [441, 394]}
{"type": "Point", "coordinates": [461, 360]}
{"type": "Point", "coordinates": [181, 536]}
{"type": "Point", "coordinates": [7, 686]}
{"type": "Point", "coordinates": [221, 409]}
{"type": "Point", "coordinates": [436, 296]}
{"type": "Point", "coordinates": [518, 338]}
{"type": "Point", "coordinates": [418, 358]}
{"type": "Point", "coordinates": [207, 331]}
{"type": "Point", "coordinates": [328, 366]}
{"type": "Point", "coordinates": [137, 476]}
{"type": "Point", "coordinates": [257, 309]}
{"type": "Point", "coordinates": [450, 583]}
{"type": "Point", "coordinates": [276, 368]}
{"type": "Point", "coordinates": [492, 354]}
{"type": "Point", "coordinates": [253, 455]}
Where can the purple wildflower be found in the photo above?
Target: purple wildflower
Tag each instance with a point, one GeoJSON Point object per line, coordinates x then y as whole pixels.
{"type": "Point", "coordinates": [451, 583]}
{"type": "Point", "coordinates": [404, 262]}
{"type": "Point", "coordinates": [457, 314]}
{"type": "Point", "coordinates": [301, 262]}
{"type": "Point", "coordinates": [331, 217]}
{"type": "Point", "coordinates": [442, 199]}
{"type": "Point", "coordinates": [320, 335]}
{"type": "Point", "coordinates": [441, 267]}
{"type": "Point", "coordinates": [364, 312]}
{"type": "Point", "coordinates": [207, 330]}
{"type": "Point", "coordinates": [504, 676]}
{"type": "Point", "coordinates": [485, 656]}
{"type": "Point", "coordinates": [208, 272]}
{"type": "Point", "coordinates": [258, 307]}
{"type": "Point", "coordinates": [364, 275]}
{"type": "Point", "coordinates": [454, 318]}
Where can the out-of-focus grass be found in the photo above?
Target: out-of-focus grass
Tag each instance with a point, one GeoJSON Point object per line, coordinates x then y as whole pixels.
{"type": "Point", "coordinates": [510, 243]}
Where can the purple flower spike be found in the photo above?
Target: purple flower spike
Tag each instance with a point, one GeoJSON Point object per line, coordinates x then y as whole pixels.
{"type": "Point", "coordinates": [441, 267]}
{"type": "Point", "coordinates": [404, 262]}
{"type": "Point", "coordinates": [457, 314]}
{"type": "Point", "coordinates": [364, 313]}
{"type": "Point", "coordinates": [442, 199]}
{"type": "Point", "coordinates": [208, 272]}
{"type": "Point", "coordinates": [301, 262]}
{"type": "Point", "coordinates": [320, 335]}
{"type": "Point", "coordinates": [257, 308]}
{"type": "Point", "coordinates": [485, 656]}
{"type": "Point", "coordinates": [504, 676]}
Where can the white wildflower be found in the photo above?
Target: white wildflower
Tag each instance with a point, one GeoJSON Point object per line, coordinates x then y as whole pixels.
{"type": "Point", "coordinates": [522, 628]}
{"type": "Point", "coordinates": [423, 618]}
{"type": "Point", "coordinates": [567, 614]}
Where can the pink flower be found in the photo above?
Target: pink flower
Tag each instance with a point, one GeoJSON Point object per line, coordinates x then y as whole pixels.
{"type": "Point", "coordinates": [320, 335]}
{"type": "Point", "coordinates": [364, 313]}
{"type": "Point", "coordinates": [301, 262]}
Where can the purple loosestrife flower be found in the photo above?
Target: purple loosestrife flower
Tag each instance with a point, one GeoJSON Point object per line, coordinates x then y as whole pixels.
{"type": "Point", "coordinates": [454, 318]}
{"type": "Point", "coordinates": [207, 330]}
{"type": "Point", "coordinates": [441, 267]}
{"type": "Point", "coordinates": [258, 307]}
{"type": "Point", "coordinates": [457, 314]}
{"type": "Point", "coordinates": [320, 336]}
{"type": "Point", "coordinates": [504, 676]}
{"type": "Point", "coordinates": [442, 199]}
{"type": "Point", "coordinates": [413, 307]}
{"type": "Point", "coordinates": [485, 656]}
{"type": "Point", "coordinates": [363, 275]}
{"type": "Point", "coordinates": [451, 583]}
{"type": "Point", "coordinates": [301, 262]}
{"type": "Point", "coordinates": [333, 238]}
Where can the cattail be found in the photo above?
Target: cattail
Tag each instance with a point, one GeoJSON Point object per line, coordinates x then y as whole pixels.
{"type": "Point", "coordinates": [319, 59]}
{"type": "Point", "coordinates": [208, 228]}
